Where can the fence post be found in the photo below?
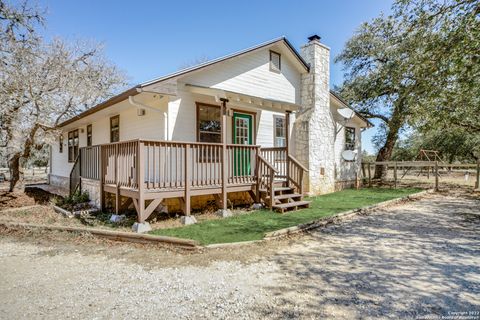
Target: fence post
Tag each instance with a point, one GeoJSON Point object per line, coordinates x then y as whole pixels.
{"type": "Point", "coordinates": [477, 183]}
{"type": "Point", "coordinates": [395, 175]}
{"type": "Point", "coordinates": [369, 174]}
{"type": "Point", "coordinates": [364, 174]}
{"type": "Point", "coordinates": [436, 175]}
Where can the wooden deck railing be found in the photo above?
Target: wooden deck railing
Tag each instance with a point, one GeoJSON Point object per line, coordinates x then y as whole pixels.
{"type": "Point", "coordinates": [241, 163]}
{"type": "Point", "coordinates": [277, 156]}
{"type": "Point", "coordinates": [119, 164]}
{"type": "Point", "coordinates": [163, 166]}
{"type": "Point", "coordinates": [90, 162]}
{"type": "Point", "coordinates": [287, 167]}
{"type": "Point", "coordinates": [173, 165]}
{"type": "Point", "coordinates": [296, 173]}
{"type": "Point", "coordinates": [266, 177]}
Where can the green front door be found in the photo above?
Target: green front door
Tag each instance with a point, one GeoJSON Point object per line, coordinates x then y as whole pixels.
{"type": "Point", "coordinates": [242, 134]}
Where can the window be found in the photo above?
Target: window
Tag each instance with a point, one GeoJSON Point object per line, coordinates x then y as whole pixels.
{"type": "Point", "coordinates": [115, 129]}
{"type": "Point", "coordinates": [275, 61]}
{"type": "Point", "coordinates": [279, 133]}
{"type": "Point", "coordinates": [72, 145]}
{"type": "Point", "coordinates": [208, 123]}
{"type": "Point", "coordinates": [208, 130]}
{"type": "Point", "coordinates": [60, 143]}
{"type": "Point", "coordinates": [349, 138]}
{"type": "Point", "coordinates": [89, 135]}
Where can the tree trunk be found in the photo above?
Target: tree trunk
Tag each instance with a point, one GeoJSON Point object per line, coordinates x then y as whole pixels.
{"type": "Point", "coordinates": [385, 152]}
{"type": "Point", "coordinates": [14, 169]}
{"type": "Point", "coordinates": [14, 162]}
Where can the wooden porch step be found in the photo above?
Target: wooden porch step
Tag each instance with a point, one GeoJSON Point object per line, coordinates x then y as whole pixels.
{"type": "Point", "coordinates": [286, 196]}
{"type": "Point", "coordinates": [278, 189]}
{"type": "Point", "coordinates": [282, 207]}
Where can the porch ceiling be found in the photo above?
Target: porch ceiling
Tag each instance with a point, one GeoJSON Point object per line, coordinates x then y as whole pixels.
{"type": "Point", "coordinates": [252, 101]}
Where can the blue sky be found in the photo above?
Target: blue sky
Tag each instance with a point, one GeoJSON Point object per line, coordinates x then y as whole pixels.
{"type": "Point", "coordinates": [147, 39]}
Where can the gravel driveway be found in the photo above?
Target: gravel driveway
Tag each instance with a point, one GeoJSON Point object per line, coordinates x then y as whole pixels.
{"type": "Point", "coordinates": [408, 261]}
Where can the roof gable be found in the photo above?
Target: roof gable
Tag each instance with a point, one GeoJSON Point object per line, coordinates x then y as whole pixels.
{"type": "Point", "coordinates": [204, 65]}
{"type": "Point", "coordinates": [281, 41]}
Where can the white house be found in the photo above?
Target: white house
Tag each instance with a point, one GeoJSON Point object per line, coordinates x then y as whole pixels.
{"type": "Point", "coordinates": [261, 121]}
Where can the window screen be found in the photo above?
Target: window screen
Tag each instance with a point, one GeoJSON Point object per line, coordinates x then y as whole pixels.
{"type": "Point", "coordinates": [115, 129]}
{"type": "Point", "coordinates": [89, 135]}
{"type": "Point", "coordinates": [275, 61]}
{"type": "Point", "coordinates": [208, 123]}
{"type": "Point", "coordinates": [279, 133]}
{"type": "Point", "coordinates": [72, 145]}
{"type": "Point", "coordinates": [349, 138]}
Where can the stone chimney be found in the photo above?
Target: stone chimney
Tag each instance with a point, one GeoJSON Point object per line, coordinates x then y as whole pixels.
{"type": "Point", "coordinates": [315, 128]}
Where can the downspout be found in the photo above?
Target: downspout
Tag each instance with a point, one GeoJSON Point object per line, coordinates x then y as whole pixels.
{"type": "Point", "coordinates": [167, 127]}
{"type": "Point", "coordinates": [137, 104]}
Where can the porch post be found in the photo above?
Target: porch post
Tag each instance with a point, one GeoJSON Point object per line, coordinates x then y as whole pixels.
{"type": "Point", "coordinates": [224, 153]}
{"type": "Point", "coordinates": [287, 130]}
{"type": "Point", "coordinates": [141, 225]}
{"type": "Point", "coordinates": [287, 144]}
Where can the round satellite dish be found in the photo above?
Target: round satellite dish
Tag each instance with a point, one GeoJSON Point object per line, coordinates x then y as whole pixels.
{"type": "Point", "coordinates": [345, 113]}
{"type": "Point", "coordinates": [348, 155]}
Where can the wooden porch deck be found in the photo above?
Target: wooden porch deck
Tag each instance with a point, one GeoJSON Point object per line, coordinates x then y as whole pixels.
{"type": "Point", "coordinates": [146, 172]}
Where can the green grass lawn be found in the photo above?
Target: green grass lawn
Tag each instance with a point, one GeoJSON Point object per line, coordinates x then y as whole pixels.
{"type": "Point", "coordinates": [254, 225]}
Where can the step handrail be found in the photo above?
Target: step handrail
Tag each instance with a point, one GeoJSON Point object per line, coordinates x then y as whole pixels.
{"type": "Point", "coordinates": [75, 174]}
{"type": "Point", "coordinates": [294, 160]}
{"type": "Point", "coordinates": [267, 163]}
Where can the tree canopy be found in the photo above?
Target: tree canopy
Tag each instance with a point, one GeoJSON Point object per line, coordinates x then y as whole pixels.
{"type": "Point", "coordinates": [43, 83]}
{"type": "Point", "coordinates": [418, 67]}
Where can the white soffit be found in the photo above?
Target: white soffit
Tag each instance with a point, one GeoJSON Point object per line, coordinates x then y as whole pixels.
{"type": "Point", "coordinates": [243, 99]}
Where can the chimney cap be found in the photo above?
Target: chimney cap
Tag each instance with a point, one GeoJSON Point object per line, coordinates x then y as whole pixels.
{"type": "Point", "coordinates": [314, 37]}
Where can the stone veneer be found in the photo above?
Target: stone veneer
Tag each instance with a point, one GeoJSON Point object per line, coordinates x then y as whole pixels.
{"type": "Point", "coordinates": [314, 126]}
{"type": "Point", "coordinates": [59, 181]}
{"type": "Point", "coordinates": [92, 187]}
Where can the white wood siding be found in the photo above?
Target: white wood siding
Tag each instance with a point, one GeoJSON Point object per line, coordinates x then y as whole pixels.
{"type": "Point", "coordinates": [250, 74]}
{"type": "Point", "coordinates": [347, 170]}
{"type": "Point", "coordinates": [182, 119]}
{"type": "Point", "coordinates": [149, 126]}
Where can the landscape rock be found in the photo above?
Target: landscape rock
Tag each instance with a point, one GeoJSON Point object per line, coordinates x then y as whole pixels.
{"type": "Point", "coordinates": [141, 227]}
{"type": "Point", "coordinates": [116, 218]}
{"type": "Point", "coordinates": [257, 206]}
{"type": "Point", "coordinates": [186, 220]}
{"type": "Point", "coordinates": [224, 213]}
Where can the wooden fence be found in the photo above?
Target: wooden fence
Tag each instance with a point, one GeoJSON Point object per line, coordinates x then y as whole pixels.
{"type": "Point", "coordinates": [433, 166]}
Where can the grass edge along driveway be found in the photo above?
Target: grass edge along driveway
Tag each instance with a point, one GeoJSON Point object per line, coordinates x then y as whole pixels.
{"type": "Point", "coordinates": [253, 226]}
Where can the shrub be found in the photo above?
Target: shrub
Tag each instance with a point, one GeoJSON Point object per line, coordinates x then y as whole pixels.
{"type": "Point", "coordinates": [71, 200]}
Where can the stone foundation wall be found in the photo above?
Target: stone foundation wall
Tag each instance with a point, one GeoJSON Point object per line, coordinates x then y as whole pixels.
{"type": "Point", "coordinates": [93, 189]}
{"type": "Point", "coordinates": [59, 181]}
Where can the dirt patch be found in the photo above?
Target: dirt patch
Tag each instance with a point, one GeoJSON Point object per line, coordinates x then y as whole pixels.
{"type": "Point", "coordinates": [20, 198]}
{"type": "Point", "coordinates": [23, 201]}
{"type": "Point", "coordinates": [147, 255]}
